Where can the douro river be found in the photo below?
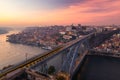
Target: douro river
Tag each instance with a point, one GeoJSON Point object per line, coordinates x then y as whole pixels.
{"type": "Point", "coordinates": [11, 54]}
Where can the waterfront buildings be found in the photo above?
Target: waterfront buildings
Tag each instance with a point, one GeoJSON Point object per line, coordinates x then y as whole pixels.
{"type": "Point", "coordinates": [51, 36]}
{"type": "Point", "coordinates": [111, 45]}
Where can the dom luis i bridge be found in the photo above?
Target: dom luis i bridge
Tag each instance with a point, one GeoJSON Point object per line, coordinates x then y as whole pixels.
{"type": "Point", "coordinates": [66, 58]}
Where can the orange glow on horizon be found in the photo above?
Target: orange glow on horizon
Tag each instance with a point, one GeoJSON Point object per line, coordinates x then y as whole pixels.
{"type": "Point", "coordinates": [86, 13]}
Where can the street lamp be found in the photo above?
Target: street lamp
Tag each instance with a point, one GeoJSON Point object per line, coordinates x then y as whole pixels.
{"type": "Point", "coordinates": [26, 54]}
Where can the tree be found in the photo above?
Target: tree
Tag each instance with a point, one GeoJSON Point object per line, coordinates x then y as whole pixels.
{"type": "Point", "coordinates": [51, 70]}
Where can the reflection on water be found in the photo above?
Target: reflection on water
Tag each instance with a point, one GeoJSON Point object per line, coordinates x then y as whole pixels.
{"type": "Point", "coordinates": [15, 53]}
{"type": "Point", "coordinates": [99, 68]}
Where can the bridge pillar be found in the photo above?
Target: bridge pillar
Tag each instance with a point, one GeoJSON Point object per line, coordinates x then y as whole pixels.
{"type": "Point", "coordinates": [69, 62]}
{"type": "Point", "coordinates": [66, 63]}
{"type": "Point", "coordinates": [75, 55]}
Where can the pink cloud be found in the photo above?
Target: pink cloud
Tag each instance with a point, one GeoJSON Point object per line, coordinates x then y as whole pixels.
{"type": "Point", "coordinates": [93, 11]}
{"type": "Point", "coordinates": [88, 12]}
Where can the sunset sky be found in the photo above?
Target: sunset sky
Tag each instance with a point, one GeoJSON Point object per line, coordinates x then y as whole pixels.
{"type": "Point", "coordinates": [60, 12]}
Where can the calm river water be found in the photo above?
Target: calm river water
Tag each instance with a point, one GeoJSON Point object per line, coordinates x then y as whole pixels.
{"type": "Point", "coordinates": [99, 68]}
{"type": "Point", "coordinates": [11, 54]}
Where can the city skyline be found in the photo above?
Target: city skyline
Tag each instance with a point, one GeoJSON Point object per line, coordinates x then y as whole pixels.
{"type": "Point", "coordinates": [59, 12]}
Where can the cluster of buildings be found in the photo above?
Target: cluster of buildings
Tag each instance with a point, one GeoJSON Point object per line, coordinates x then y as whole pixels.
{"type": "Point", "coordinates": [111, 45]}
{"type": "Point", "coordinates": [49, 37]}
